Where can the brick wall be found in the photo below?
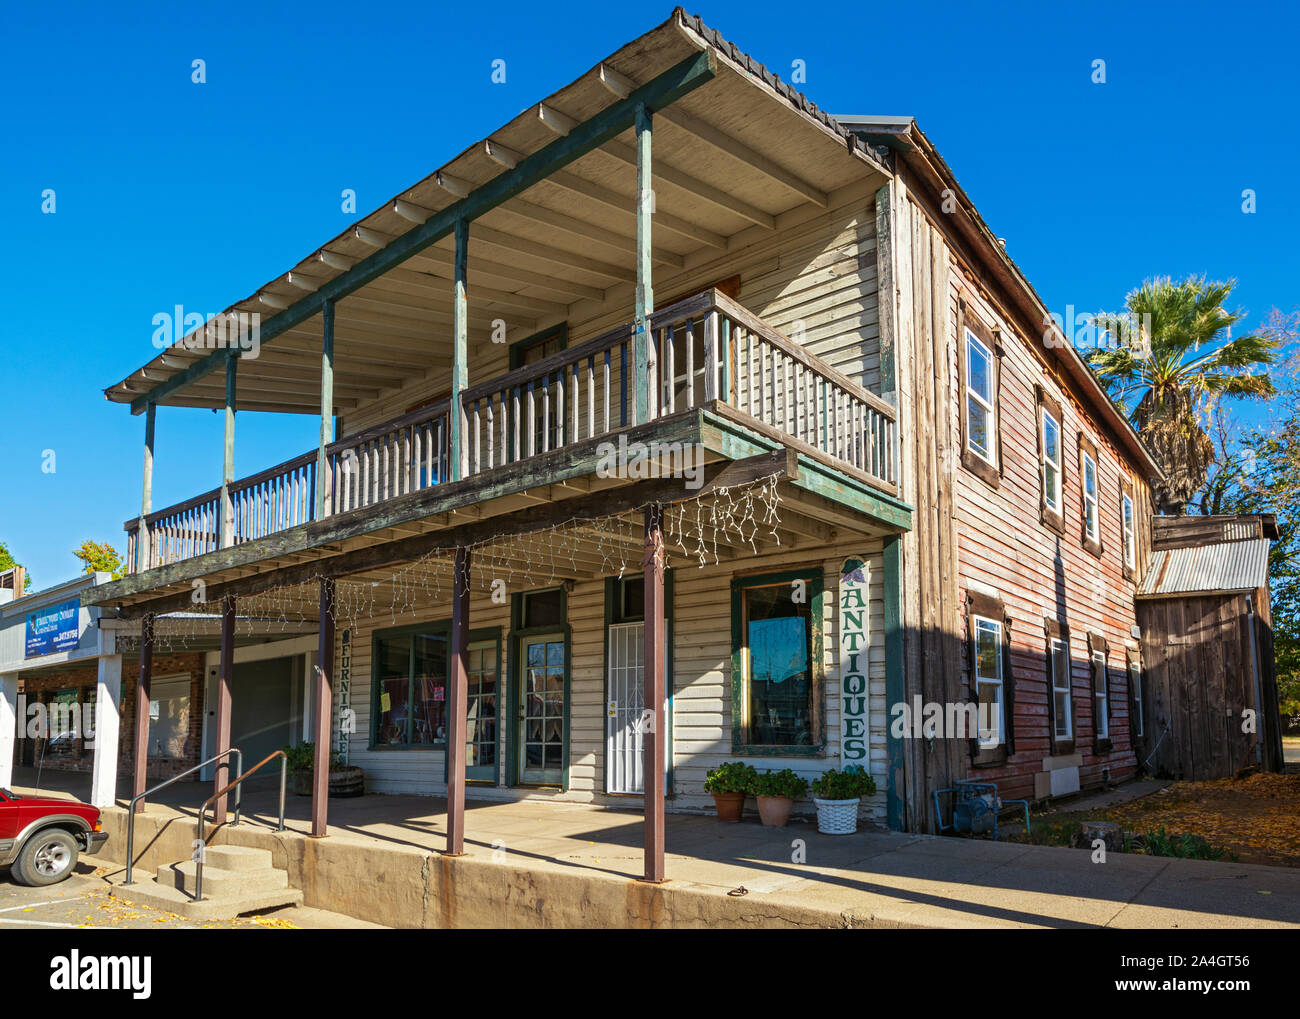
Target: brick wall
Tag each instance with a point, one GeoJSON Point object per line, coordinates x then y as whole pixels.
{"type": "Point", "coordinates": [83, 679]}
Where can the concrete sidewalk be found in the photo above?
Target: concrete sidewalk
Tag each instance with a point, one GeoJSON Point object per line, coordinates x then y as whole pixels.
{"type": "Point", "coordinates": [539, 864]}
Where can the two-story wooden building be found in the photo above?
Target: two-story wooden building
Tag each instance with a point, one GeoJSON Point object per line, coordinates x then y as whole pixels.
{"type": "Point", "coordinates": [625, 412]}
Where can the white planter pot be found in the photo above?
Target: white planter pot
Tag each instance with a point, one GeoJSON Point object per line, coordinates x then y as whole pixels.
{"type": "Point", "coordinates": [837, 817]}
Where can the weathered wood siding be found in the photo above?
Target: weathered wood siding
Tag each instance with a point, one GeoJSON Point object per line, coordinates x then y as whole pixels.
{"type": "Point", "coordinates": [1199, 679]}
{"type": "Point", "coordinates": [972, 537]}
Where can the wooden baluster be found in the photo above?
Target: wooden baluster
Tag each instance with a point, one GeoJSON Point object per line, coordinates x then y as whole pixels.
{"type": "Point", "coordinates": [605, 382]}
{"type": "Point", "coordinates": [591, 397]}
{"type": "Point", "coordinates": [711, 364]}
{"type": "Point", "coordinates": [688, 338]}
{"type": "Point", "coordinates": [669, 381]}
{"type": "Point", "coordinates": [575, 393]}
{"type": "Point", "coordinates": [559, 409]}
{"type": "Point", "coordinates": [622, 387]}
{"type": "Point", "coordinates": [530, 424]}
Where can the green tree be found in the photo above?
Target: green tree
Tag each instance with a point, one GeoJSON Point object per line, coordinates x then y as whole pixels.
{"type": "Point", "coordinates": [8, 562]}
{"type": "Point", "coordinates": [99, 558]}
{"type": "Point", "coordinates": [1178, 364]}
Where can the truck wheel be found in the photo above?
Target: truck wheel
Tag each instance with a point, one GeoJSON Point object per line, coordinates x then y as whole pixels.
{"type": "Point", "coordinates": [46, 858]}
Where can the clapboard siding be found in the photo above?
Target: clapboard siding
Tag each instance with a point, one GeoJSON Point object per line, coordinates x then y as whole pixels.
{"type": "Point", "coordinates": [701, 708]}
{"type": "Point", "coordinates": [813, 279]}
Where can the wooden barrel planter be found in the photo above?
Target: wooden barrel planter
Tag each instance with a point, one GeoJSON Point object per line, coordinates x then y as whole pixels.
{"type": "Point", "coordinates": [347, 781]}
{"type": "Point", "coordinates": [344, 782]}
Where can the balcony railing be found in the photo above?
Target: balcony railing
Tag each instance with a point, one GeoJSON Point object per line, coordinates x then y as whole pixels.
{"type": "Point", "coordinates": [703, 350]}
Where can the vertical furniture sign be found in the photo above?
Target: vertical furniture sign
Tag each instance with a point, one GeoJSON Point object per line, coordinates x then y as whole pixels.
{"type": "Point", "coordinates": [853, 622]}
{"type": "Point", "coordinates": [343, 696]}
{"type": "Point", "coordinates": [54, 628]}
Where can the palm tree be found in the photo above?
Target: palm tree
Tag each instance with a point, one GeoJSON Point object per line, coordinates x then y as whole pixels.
{"type": "Point", "coordinates": [1180, 362]}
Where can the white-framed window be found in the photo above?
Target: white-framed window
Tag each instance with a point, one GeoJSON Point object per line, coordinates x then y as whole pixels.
{"type": "Point", "coordinates": [981, 420]}
{"type": "Point", "coordinates": [1126, 518]}
{"type": "Point", "coordinates": [1135, 684]}
{"type": "Point", "coordinates": [1051, 436]}
{"type": "Point", "coordinates": [1100, 700]}
{"type": "Point", "coordinates": [1091, 527]}
{"type": "Point", "coordinates": [1064, 719]}
{"type": "Point", "coordinates": [988, 679]}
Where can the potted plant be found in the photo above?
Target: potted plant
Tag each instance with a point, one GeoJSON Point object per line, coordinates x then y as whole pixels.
{"type": "Point", "coordinates": [837, 795]}
{"type": "Point", "coordinates": [776, 792]}
{"type": "Point", "coordinates": [345, 780]}
{"type": "Point", "coordinates": [729, 783]}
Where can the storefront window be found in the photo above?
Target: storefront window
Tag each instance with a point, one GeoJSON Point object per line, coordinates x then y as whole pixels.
{"type": "Point", "coordinates": [169, 717]}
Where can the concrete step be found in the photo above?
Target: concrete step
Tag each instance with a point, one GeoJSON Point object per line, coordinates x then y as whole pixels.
{"type": "Point", "coordinates": [226, 907]}
{"type": "Point", "coordinates": [238, 858]}
{"type": "Point", "coordinates": [219, 882]}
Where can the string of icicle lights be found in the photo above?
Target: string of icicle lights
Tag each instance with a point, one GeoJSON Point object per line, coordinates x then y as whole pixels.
{"type": "Point", "coordinates": [611, 545]}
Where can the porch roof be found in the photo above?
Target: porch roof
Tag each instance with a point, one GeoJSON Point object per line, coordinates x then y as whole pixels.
{"type": "Point", "coordinates": [732, 157]}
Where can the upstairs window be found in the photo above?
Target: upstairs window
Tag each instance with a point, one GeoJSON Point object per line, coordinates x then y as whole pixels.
{"type": "Point", "coordinates": [1090, 484]}
{"type": "Point", "coordinates": [1051, 462]}
{"type": "Point", "coordinates": [1126, 511]}
{"type": "Point", "coordinates": [979, 369]}
{"type": "Point", "coordinates": [980, 420]}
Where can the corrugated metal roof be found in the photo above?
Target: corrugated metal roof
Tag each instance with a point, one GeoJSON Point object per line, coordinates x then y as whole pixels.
{"type": "Point", "coordinates": [1228, 566]}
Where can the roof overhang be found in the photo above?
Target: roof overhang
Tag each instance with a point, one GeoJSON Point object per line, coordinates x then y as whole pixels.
{"type": "Point", "coordinates": [550, 198]}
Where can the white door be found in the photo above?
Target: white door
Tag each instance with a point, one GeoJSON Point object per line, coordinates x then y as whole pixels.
{"type": "Point", "coordinates": [624, 761]}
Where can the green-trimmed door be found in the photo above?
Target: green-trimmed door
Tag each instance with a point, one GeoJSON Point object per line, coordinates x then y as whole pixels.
{"type": "Point", "coordinates": [482, 694]}
{"type": "Point", "coordinates": [541, 710]}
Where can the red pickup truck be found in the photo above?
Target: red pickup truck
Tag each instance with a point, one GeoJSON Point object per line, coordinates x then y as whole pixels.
{"type": "Point", "coordinates": [41, 837]}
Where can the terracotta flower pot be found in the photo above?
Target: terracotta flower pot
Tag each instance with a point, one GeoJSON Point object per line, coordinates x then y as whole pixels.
{"type": "Point", "coordinates": [774, 811]}
{"type": "Point", "coordinates": [730, 806]}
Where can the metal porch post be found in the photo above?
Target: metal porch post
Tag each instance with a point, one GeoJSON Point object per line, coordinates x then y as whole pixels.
{"type": "Point", "coordinates": [323, 481]}
{"type": "Point", "coordinates": [143, 682]}
{"type": "Point", "coordinates": [459, 451]}
{"type": "Point", "coordinates": [227, 537]}
{"type": "Point", "coordinates": [459, 683]}
{"type": "Point", "coordinates": [324, 705]}
{"type": "Point", "coordinates": [655, 736]}
{"type": "Point", "coordinates": [645, 300]}
{"type": "Point", "coordinates": [142, 558]}
{"type": "Point", "coordinates": [224, 680]}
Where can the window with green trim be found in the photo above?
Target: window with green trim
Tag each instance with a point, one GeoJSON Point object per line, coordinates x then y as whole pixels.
{"type": "Point", "coordinates": [410, 683]}
{"type": "Point", "coordinates": [776, 661]}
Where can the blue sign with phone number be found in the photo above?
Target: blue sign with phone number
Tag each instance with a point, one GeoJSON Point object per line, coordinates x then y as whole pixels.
{"type": "Point", "coordinates": [56, 628]}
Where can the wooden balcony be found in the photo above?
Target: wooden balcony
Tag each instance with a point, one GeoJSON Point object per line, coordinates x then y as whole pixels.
{"type": "Point", "coordinates": [705, 351]}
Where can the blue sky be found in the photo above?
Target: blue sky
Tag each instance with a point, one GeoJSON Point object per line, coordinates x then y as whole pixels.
{"type": "Point", "coordinates": [169, 192]}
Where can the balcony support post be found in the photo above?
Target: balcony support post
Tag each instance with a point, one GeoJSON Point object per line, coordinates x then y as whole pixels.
{"type": "Point", "coordinates": [459, 451]}
{"type": "Point", "coordinates": [324, 708]}
{"type": "Point", "coordinates": [225, 679]}
{"type": "Point", "coordinates": [227, 528]}
{"type": "Point", "coordinates": [645, 300]}
{"type": "Point", "coordinates": [142, 559]}
{"type": "Point", "coordinates": [323, 485]}
{"type": "Point", "coordinates": [143, 683]}
{"type": "Point", "coordinates": [456, 694]}
{"type": "Point", "coordinates": [655, 722]}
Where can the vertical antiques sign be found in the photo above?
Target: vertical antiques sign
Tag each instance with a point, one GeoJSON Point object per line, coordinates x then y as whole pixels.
{"type": "Point", "coordinates": [852, 626]}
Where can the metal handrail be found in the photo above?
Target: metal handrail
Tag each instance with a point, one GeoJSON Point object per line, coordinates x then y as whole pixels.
{"type": "Point", "coordinates": [130, 828]}
{"type": "Point", "coordinates": [203, 812]}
